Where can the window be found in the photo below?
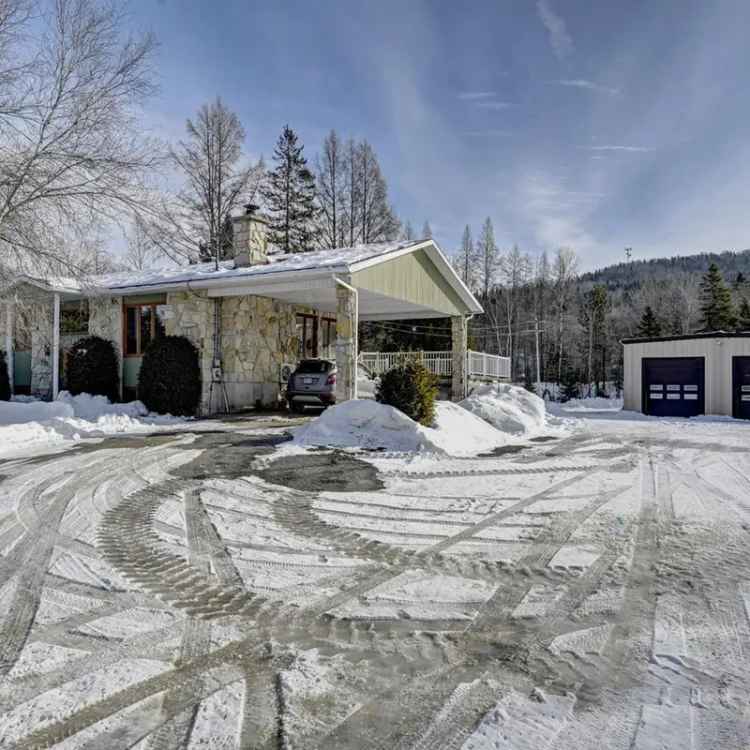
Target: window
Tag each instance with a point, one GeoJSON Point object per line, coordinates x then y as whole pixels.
{"type": "Point", "coordinates": [315, 337]}
{"type": "Point", "coordinates": [143, 323]}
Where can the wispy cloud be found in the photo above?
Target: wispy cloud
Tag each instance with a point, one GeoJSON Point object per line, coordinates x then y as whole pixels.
{"type": "Point", "coordinates": [472, 96]}
{"type": "Point", "coordinates": [492, 104]}
{"type": "Point", "coordinates": [630, 149]}
{"type": "Point", "coordinates": [489, 133]}
{"type": "Point", "coordinates": [582, 83]}
{"type": "Point", "coordinates": [559, 38]}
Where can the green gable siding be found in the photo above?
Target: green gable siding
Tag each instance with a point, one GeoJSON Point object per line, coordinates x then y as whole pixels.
{"type": "Point", "coordinates": [414, 278]}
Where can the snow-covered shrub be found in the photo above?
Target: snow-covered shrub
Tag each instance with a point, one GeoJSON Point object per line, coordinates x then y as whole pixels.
{"type": "Point", "coordinates": [412, 389]}
{"type": "Point", "coordinates": [169, 381]}
{"type": "Point", "coordinates": [4, 380]}
{"type": "Point", "coordinates": [92, 367]}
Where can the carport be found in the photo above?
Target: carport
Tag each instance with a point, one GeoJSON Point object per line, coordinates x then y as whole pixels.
{"type": "Point", "coordinates": [685, 376]}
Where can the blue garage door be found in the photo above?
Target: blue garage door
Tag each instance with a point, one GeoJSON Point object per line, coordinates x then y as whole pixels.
{"type": "Point", "coordinates": [741, 387]}
{"type": "Point", "coordinates": [673, 386]}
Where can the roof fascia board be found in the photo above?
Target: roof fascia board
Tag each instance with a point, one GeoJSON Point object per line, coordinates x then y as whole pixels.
{"type": "Point", "coordinates": [437, 256]}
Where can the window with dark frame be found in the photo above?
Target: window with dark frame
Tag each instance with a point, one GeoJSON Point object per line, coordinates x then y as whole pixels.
{"type": "Point", "coordinates": [143, 322]}
{"type": "Point", "coordinates": [314, 341]}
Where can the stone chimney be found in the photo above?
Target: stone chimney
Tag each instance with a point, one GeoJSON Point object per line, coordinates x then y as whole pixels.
{"type": "Point", "coordinates": [250, 238]}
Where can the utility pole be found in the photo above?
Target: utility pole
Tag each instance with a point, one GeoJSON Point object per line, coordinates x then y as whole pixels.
{"type": "Point", "coordinates": [538, 366]}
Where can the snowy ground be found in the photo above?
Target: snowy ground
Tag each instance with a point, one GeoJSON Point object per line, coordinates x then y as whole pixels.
{"type": "Point", "coordinates": [218, 590]}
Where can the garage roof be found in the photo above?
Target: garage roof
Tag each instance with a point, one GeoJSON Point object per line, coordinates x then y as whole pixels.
{"type": "Point", "coordinates": [689, 337]}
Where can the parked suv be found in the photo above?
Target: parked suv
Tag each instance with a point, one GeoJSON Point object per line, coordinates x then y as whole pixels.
{"type": "Point", "coordinates": [313, 383]}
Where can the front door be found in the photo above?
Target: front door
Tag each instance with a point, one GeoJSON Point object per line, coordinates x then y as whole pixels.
{"type": "Point", "coordinates": [741, 387]}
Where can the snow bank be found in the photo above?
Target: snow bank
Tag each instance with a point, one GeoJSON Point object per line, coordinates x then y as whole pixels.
{"type": "Point", "coordinates": [592, 404]}
{"type": "Point", "coordinates": [508, 408]}
{"type": "Point", "coordinates": [363, 423]}
{"type": "Point", "coordinates": [35, 424]}
{"type": "Point", "coordinates": [366, 385]}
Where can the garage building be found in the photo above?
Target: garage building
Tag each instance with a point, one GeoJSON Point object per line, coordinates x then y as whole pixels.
{"type": "Point", "coordinates": [683, 376]}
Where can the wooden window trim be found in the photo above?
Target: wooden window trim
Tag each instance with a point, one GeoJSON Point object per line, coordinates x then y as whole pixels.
{"type": "Point", "coordinates": [138, 306]}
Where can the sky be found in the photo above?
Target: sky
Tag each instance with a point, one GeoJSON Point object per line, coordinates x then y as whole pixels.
{"type": "Point", "coordinates": [597, 126]}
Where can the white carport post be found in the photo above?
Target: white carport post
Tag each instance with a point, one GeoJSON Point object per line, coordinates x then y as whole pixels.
{"type": "Point", "coordinates": [10, 311]}
{"type": "Point", "coordinates": [56, 347]}
{"type": "Point", "coordinates": [347, 321]}
{"type": "Point", "coordinates": [459, 346]}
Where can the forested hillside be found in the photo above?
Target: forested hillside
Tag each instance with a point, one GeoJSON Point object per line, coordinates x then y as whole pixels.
{"type": "Point", "coordinates": [631, 274]}
{"type": "Point", "coordinates": [581, 318]}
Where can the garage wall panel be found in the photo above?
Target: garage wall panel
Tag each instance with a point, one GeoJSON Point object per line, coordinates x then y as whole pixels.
{"type": "Point", "coordinates": [718, 353]}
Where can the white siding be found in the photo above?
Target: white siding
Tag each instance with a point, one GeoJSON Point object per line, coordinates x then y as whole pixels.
{"type": "Point", "coordinates": [718, 353]}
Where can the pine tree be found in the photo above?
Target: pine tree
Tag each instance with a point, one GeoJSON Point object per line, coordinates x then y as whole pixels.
{"type": "Point", "coordinates": [716, 302]}
{"type": "Point", "coordinates": [426, 231]}
{"type": "Point", "coordinates": [649, 325]}
{"type": "Point", "coordinates": [290, 196]}
{"type": "Point", "coordinates": [407, 231]}
{"type": "Point", "coordinates": [743, 316]}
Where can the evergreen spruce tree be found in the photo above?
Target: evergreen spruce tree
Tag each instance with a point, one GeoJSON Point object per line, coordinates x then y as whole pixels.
{"type": "Point", "coordinates": [716, 302]}
{"type": "Point", "coordinates": [290, 196]}
{"type": "Point", "coordinates": [743, 315]}
{"type": "Point", "coordinates": [649, 325]}
{"type": "Point", "coordinates": [426, 231]}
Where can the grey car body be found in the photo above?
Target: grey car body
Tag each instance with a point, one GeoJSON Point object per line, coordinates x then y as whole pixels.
{"type": "Point", "coordinates": [313, 383]}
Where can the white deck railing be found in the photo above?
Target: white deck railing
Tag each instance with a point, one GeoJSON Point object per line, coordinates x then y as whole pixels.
{"type": "Point", "coordinates": [478, 364]}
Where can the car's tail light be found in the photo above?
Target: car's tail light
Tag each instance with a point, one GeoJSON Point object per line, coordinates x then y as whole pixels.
{"type": "Point", "coordinates": [331, 379]}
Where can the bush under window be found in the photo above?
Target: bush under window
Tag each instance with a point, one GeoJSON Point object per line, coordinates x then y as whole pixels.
{"type": "Point", "coordinates": [92, 367]}
{"type": "Point", "coordinates": [412, 389]}
{"type": "Point", "coordinates": [169, 381]}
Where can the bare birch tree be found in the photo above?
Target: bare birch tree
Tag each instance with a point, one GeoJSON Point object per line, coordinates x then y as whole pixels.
{"type": "Point", "coordinates": [564, 269]}
{"type": "Point", "coordinates": [330, 173]}
{"type": "Point", "coordinates": [141, 251]}
{"type": "Point", "coordinates": [71, 154]}
{"type": "Point", "coordinates": [465, 260]}
{"type": "Point", "coordinates": [218, 180]}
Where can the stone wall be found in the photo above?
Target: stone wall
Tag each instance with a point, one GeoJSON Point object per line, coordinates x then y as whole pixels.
{"type": "Point", "coordinates": [40, 315]}
{"type": "Point", "coordinates": [258, 336]}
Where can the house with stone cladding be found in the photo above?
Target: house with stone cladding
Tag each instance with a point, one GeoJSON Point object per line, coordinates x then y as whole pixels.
{"type": "Point", "coordinates": [248, 318]}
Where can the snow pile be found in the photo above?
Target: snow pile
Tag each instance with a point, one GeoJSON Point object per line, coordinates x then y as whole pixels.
{"type": "Point", "coordinates": [362, 423]}
{"type": "Point", "coordinates": [91, 408]}
{"type": "Point", "coordinates": [366, 385]}
{"type": "Point", "coordinates": [509, 408]}
{"type": "Point", "coordinates": [25, 424]}
{"type": "Point", "coordinates": [592, 404]}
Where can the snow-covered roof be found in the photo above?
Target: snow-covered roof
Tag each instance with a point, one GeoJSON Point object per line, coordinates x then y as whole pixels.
{"type": "Point", "coordinates": [292, 267]}
{"type": "Point", "coordinates": [341, 260]}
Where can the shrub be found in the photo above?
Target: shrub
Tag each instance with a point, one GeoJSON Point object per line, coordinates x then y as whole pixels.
{"type": "Point", "coordinates": [412, 389]}
{"type": "Point", "coordinates": [92, 367]}
{"type": "Point", "coordinates": [569, 385]}
{"type": "Point", "coordinates": [4, 380]}
{"type": "Point", "coordinates": [169, 381]}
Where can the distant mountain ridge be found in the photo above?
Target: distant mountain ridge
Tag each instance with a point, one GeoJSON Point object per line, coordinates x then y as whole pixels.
{"type": "Point", "coordinates": [634, 273]}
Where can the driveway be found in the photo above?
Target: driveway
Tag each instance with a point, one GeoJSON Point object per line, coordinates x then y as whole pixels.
{"type": "Point", "coordinates": [221, 589]}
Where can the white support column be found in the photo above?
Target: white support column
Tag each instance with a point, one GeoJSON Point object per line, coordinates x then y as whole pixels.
{"type": "Point", "coordinates": [459, 346]}
{"type": "Point", "coordinates": [56, 348]}
{"type": "Point", "coordinates": [9, 326]}
{"type": "Point", "coordinates": [347, 320]}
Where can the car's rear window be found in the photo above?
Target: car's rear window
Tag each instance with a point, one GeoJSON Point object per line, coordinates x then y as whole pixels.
{"type": "Point", "coordinates": [314, 366]}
